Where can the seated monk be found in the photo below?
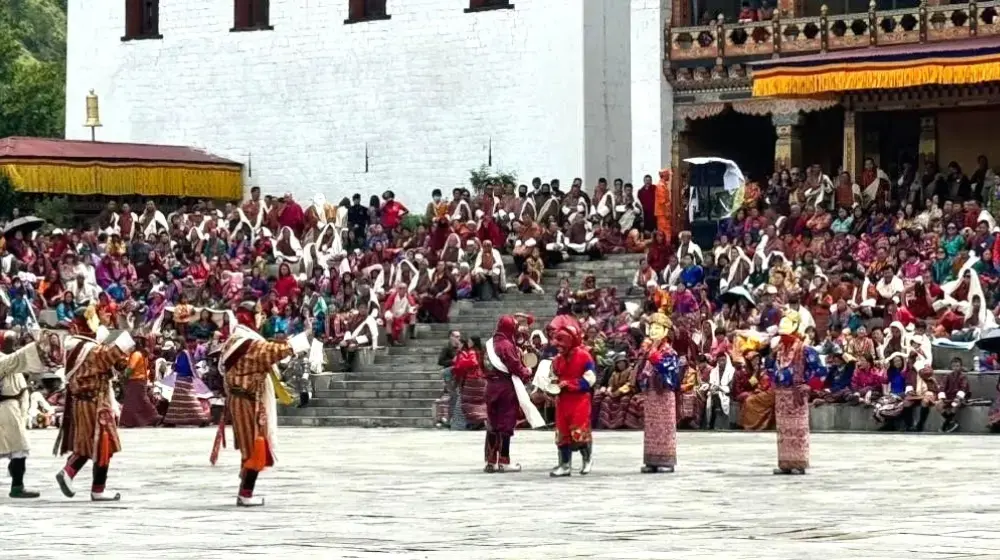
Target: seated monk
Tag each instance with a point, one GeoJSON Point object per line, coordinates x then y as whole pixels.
{"type": "Point", "coordinates": [436, 302]}
{"type": "Point", "coordinates": [618, 405]}
{"type": "Point", "coordinates": [530, 280]}
{"type": "Point", "coordinates": [692, 396]}
{"type": "Point", "coordinates": [580, 240]}
{"type": "Point", "coordinates": [635, 243]}
{"type": "Point", "coordinates": [754, 393]}
{"type": "Point", "coordinates": [611, 240]}
{"type": "Point", "coordinates": [488, 273]}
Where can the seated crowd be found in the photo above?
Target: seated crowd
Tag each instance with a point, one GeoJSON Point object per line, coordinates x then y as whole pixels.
{"type": "Point", "coordinates": [345, 273]}
{"type": "Point", "coordinates": [883, 276]}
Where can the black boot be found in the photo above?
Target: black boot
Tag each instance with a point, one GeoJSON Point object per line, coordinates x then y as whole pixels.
{"type": "Point", "coordinates": [924, 413]}
{"type": "Point", "coordinates": [587, 452]}
{"type": "Point", "coordinates": [17, 468]}
{"type": "Point", "coordinates": [565, 467]}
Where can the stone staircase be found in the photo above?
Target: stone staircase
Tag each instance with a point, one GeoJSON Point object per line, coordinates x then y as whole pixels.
{"type": "Point", "coordinates": [397, 386]}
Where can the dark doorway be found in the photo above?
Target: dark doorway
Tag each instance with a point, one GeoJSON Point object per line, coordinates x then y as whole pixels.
{"type": "Point", "coordinates": [893, 135]}
{"type": "Point", "coordinates": [746, 139]}
{"type": "Point", "coordinates": [823, 140]}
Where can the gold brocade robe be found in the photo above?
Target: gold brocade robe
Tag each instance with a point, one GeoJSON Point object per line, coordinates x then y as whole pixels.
{"type": "Point", "coordinates": [89, 405]}
{"type": "Point", "coordinates": [245, 384]}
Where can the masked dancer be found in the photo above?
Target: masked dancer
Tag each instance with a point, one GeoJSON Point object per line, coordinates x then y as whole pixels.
{"type": "Point", "coordinates": [247, 364]}
{"type": "Point", "coordinates": [503, 366]}
{"type": "Point", "coordinates": [576, 372]}
{"type": "Point", "coordinates": [90, 416]}
{"type": "Point", "coordinates": [791, 367]}
{"type": "Point", "coordinates": [14, 406]}
{"type": "Point", "coordinates": [659, 380]}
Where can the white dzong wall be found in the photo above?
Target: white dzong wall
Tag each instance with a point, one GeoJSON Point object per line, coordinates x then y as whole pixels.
{"type": "Point", "coordinates": [430, 93]}
{"type": "Point", "coordinates": [652, 97]}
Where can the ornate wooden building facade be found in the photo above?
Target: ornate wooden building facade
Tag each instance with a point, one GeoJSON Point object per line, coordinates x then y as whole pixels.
{"type": "Point", "coordinates": [918, 83]}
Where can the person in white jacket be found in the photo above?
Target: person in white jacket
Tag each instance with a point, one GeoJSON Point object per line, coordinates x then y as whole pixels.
{"type": "Point", "coordinates": [14, 406]}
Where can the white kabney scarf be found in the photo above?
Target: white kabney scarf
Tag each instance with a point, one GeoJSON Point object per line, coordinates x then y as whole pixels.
{"type": "Point", "coordinates": [722, 381]}
{"type": "Point", "coordinates": [524, 400]}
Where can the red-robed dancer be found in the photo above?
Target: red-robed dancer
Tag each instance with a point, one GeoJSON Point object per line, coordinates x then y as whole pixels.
{"type": "Point", "coordinates": [576, 371]}
{"type": "Point", "coordinates": [503, 361]}
{"type": "Point", "coordinates": [90, 428]}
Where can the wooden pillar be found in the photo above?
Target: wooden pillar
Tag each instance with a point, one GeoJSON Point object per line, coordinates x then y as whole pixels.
{"type": "Point", "coordinates": [788, 141]}
{"type": "Point", "coordinates": [679, 150]}
{"type": "Point", "coordinates": [680, 13]}
{"type": "Point", "coordinates": [850, 157]}
{"type": "Point", "coordinates": [928, 139]}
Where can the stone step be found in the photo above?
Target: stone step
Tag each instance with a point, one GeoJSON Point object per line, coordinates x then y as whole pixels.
{"type": "Point", "coordinates": [414, 349]}
{"type": "Point", "coordinates": [408, 376]}
{"type": "Point", "coordinates": [599, 266]}
{"type": "Point", "coordinates": [355, 421]}
{"type": "Point", "coordinates": [513, 304]}
{"type": "Point", "coordinates": [418, 361]}
{"type": "Point", "coordinates": [424, 394]}
{"type": "Point", "coordinates": [382, 384]}
{"type": "Point", "coordinates": [602, 277]}
{"type": "Point", "coordinates": [394, 364]}
{"type": "Point", "coordinates": [418, 412]}
{"type": "Point", "coordinates": [374, 402]}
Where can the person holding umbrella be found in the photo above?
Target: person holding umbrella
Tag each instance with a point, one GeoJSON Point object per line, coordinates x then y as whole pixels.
{"type": "Point", "coordinates": [16, 232]}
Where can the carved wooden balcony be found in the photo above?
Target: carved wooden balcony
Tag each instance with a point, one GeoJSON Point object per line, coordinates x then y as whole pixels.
{"type": "Point", "coordinates": [715, 56]}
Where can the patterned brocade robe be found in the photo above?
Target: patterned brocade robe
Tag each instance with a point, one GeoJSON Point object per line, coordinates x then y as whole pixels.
{"type": "Point", "coordinates": [90, 406]}
{"type": "Point", "coordinates": [245, 385]}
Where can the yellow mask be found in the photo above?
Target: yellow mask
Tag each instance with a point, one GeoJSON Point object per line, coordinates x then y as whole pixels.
{"type": "Point", "coordinates": [657, 332]}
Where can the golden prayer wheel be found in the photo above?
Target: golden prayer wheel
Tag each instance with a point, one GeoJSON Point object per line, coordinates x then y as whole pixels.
{"type": "Point", "coordinates": [93, 111]}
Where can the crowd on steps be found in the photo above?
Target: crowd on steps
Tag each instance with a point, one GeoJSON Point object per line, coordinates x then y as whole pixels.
{"type": "Point", "coordinates": [352, 276]}
{"type": "Point", "coordinates": [890, 280]}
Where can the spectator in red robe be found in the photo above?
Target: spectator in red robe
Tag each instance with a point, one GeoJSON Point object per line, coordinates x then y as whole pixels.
{"type": "Point", "coordinates": [286, 286]}
{"type": "Point", "coordinates": [292, 216]}
{"type": "Point", "coordinates": [647, 199]}
{"type": "Point", "coordinates": [490, 231]}
{"type": "Point", "coordinates": [393, 212]}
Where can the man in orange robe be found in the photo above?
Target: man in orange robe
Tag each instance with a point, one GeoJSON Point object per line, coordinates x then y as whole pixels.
{"type": "Point", "coordinates": [662, 208]}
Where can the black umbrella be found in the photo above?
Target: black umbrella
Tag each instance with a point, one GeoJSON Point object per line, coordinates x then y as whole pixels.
{"type": "Point", "coordinates": [25, 225]}
{"type": "Point", "coordinates": [733, 295]}
{"type": "Point", "coordinates": [990, 341]}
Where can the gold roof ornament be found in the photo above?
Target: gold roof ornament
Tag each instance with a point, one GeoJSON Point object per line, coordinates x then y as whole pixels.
{"type": "Point", "coordinates": [93, 111]}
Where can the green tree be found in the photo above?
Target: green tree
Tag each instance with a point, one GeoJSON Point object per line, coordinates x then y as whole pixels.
{"type": "Point", "coordinates": [9, 198]}
{"type": "Point", "coordinates": [32, 68]}
{"type": "Point", "coordinates": [55, 210]}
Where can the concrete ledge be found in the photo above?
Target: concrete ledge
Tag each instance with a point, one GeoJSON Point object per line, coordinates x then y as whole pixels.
{"type": "Point", "coordinates": [941, 357]}
{"type": "Point", "coordinates": [850, 418]}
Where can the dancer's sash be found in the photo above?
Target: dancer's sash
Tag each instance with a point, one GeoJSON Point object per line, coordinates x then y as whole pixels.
{"type": "Point", "coordinates": [530, 412]}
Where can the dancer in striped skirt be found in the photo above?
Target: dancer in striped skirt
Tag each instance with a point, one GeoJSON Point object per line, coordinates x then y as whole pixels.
{"type": "Point", "coordinates": [89, 428]}
{"type": "Point", "coordinates": [247, 363]}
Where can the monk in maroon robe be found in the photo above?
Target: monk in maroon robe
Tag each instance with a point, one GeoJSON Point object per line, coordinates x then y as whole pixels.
{"type": "Point", "coordinates": [502, 406]}
{"type": "Point", "coordinates": [490, 231]}
{"type": "Point", "coordinates": [647, 198]}
{"type": "Point", "coordinates": [292, 216]}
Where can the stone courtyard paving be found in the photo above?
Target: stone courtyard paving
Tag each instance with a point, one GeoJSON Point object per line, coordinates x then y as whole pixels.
{"type": "Point", "coordinates": [353, 493]}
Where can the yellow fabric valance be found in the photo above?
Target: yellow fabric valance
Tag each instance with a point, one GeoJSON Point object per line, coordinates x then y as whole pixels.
{"type": "Point", "coordinates": [783, 81]}
{"type": "Point", "coordinates": [125, 178]}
